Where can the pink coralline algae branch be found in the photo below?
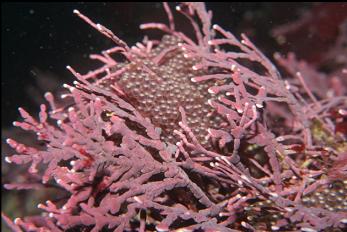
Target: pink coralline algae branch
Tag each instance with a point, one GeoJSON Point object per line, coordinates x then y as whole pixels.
{"type": "Point", "coordinates": [190, 134]}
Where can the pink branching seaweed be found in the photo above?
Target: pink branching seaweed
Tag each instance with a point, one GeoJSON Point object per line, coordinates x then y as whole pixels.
{"type": "Point", "coordinates": [189, 134]}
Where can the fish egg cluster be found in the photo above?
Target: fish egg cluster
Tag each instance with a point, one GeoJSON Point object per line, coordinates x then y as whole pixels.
{"type": "Point", "coordinates": [332, 197]}
{"type": "Point", "coordinates": [158, 87]}
{"type": "Point", "coordinates": [263, 217]}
